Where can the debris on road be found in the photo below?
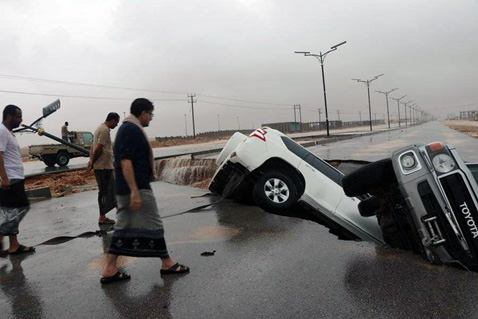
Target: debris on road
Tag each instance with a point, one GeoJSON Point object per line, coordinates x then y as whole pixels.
{"type": "Point", "coordinates": [61, 184]}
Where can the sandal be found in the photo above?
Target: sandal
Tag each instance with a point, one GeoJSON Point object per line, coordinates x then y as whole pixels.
{"type": "Point", "coordinates": [119, 276]}
{"type": "Point", "coordinates": [107, 221]}
{"type": "Point", "coordinates": [23, 250]}
{"type": "Point", "coordinates": [175, 269]}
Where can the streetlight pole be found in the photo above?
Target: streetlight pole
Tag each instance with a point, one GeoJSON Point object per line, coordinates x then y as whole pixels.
{"type": "Point", "coordinates": [321, 58]}
{"type": "Point", "coordinates": [367, 82]}
{"type": "Point", "coordinates": [412, 118]}
{"type": "Point", "coordinates": [398, 106]}
{"type": "Point", "coordinates": [406, 104]}
{"type": "Point", "coordinates": [386, 97]}
{"type": "Point", "coordinates": [238, 123]}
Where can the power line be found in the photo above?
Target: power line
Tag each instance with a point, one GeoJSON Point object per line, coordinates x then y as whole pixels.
{"type": "Point", "coordinates": [246, 107]}
{"type": "Point", "coordinates": [86, 84]}
{"type": "Point", "coordinates": [82, 96]}
{"type": "Point", "coordinates": [239, 100]}
{"type": "Point", "coordinates": [8, 76]}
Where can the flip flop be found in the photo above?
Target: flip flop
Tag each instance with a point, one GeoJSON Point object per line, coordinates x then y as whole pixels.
{"type": "Point", "coordinates": [23, 250]}
{"type": "Point", "coordinates": [107, 221]}
{"type": "Point", "coordinates": [119, 276]}
{"type": "Point", "coordinates": [175, 269]}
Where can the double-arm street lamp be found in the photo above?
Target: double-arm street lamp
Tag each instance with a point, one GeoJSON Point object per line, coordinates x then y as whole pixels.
{"type": "Point", "coordinates": [398, 106]}
{"type": "Point", "coordinates": [412, 117]}
{"type": "Point", "coordinates": [406, 104]}
{"type": "Point", "coordinates": [321, 58]}
{"type": "Point", "coordinates": [386, 96]}
{"type": "Point", "coordinates": [367, 82]}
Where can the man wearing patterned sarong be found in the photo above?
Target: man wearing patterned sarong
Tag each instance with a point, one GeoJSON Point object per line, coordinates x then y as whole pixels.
{"type": "Point", "coordinates": [139, 229]}
{"type": "Point", "coordinates": [14, 204]}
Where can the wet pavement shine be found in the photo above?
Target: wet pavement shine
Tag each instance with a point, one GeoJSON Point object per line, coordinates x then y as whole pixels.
{"type": "Point", "coordinates": [264, 266]}
{"type": "Point", "coordinates": [378, 146]}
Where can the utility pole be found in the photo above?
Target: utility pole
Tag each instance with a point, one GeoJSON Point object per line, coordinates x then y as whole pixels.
{"type": "Point", "coordinates": [300, 117]}
{"type": "Point", "coordinates": [218, 124]}
{"type": "Point", "coordinates": [338, 115]}
{"type": "Point", "coordinates": [321, 58]}
{"type": "Point", "coordinates": [375, 114]}
{"type": "Point", "coordinates": [185, 125]}
{"type": "Point", "coordinates": [398, 106]}
{"type": "Point", "coordinates": [297, 107]}
{"type": "Point", "coordinates": [367, 82]}
{"type": "Point", "coordinates": [386, 97]}
{"type": "Point", "coordinates": [320, 112]}
{"type": "Point", "coordinates": [192, 96]}
{"type": "Point", "coordinates": [360, 115]}
{"type": "Point", "coordinates": [238, 123]}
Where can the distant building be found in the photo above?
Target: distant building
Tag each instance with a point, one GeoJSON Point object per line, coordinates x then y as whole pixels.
{"type": "Point", "coordinates": [469, 115]}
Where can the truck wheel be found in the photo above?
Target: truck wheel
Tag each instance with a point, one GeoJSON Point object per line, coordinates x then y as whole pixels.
{"type": "Point", "coordinates": [62, 159]}
{"type": "Point", "coordinates": [369, 177]}
{"type": "Point", "coordinates": [275, 191]}
{"type": "Point", "coordinates": [49, 161]}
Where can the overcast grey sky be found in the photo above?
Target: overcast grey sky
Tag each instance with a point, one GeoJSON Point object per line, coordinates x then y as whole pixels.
{"type": "Point", "coordinates": [226, 51]}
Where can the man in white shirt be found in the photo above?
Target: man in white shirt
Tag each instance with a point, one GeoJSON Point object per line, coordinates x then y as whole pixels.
{"type": "Point", "coordinates": [14, 204]}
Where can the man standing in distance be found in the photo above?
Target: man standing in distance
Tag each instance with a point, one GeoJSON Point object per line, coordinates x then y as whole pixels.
{"type": "Point", "coordinates": [139, 229]}
{"type": "Point", "coordinates": [14, 204]}
{"type": "Point", "coordinates": [65, 132]}
{"type": "Point", "coordinates": [101, 161]}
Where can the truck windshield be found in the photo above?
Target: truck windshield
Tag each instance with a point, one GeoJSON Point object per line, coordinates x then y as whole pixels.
{"type": "Point", "coordinates": [87, 138]}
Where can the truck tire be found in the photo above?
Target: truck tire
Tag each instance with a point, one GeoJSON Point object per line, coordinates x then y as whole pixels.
{"type": "Point", "coordinates": [49, 160]}
{"type": "Point", "coordinates": [275, 191]}
{"type": "Point", "coordinates": [369, 177]}
{"type": "Point", "coordinates": [62, 159]}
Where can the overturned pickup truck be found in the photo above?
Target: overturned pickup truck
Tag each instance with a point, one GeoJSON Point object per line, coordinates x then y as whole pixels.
{"type": "Point", "coordinates": [281, 176]}
{"type": "Point", "coordinates": [425, 200]}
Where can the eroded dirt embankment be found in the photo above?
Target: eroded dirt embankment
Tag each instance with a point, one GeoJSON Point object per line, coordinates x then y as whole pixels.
{"type": "Point", "coordinates": [466, 127]}
{"type": "Point", "coordinates": [191, 172]}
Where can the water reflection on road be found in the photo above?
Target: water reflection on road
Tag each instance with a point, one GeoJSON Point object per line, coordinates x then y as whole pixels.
{"type": "Point", "coordinates": [375, 147]}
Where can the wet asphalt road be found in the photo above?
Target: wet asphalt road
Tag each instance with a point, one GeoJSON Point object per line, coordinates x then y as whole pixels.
{"type": "Point", "coordinates": [378, 146]}
{"type": "Point", "coordinates": [265, 266]}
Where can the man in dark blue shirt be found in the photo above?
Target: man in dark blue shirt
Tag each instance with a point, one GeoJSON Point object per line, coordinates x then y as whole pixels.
{"type": "Point", "coordinates": [139, 229]}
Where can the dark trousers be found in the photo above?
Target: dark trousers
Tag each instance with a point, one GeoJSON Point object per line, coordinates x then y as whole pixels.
{"type": "Point", "coordinates": [106, 185]}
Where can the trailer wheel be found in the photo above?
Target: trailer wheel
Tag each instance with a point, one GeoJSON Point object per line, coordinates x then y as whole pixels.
{"type": "Point", "coordinates": [62, 159]}
{"type": "Point", "coordinates": [49, 160]}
